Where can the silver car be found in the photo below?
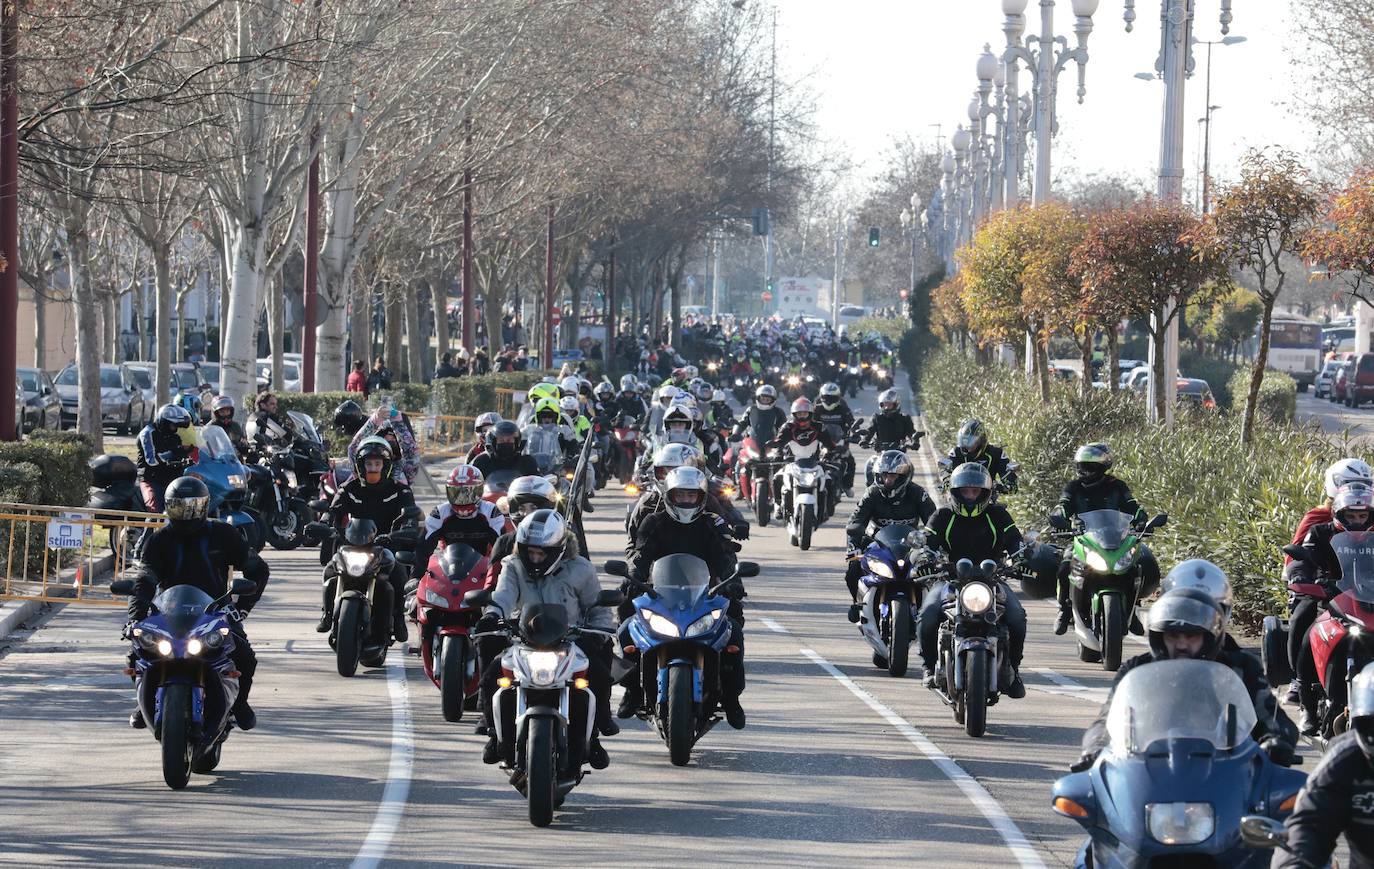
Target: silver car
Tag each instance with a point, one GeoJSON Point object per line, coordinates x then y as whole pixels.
{"type": "Point", "coordinates": [1321, 387]}
{"type": "Point", "coordinates": [122, 405]}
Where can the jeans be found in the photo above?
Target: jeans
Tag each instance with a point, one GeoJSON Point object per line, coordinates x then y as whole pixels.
{"type": "Point", "coordinates": [932, 612]}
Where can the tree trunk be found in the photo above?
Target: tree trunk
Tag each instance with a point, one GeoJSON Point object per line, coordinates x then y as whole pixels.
{"type": "Point", "coordinates": [181, 325]}
{"type": "Point", "coordinates": [88, 331]}
{"type": "Point", "coordinates": [138, 302]}
{"type": "Point", "coordinates": [237, 368]}
{"type": "Point", "coordinates": [1085, 346]}
{"type": "Point", "coordinates": [417, 340]}
{"type": "Point", "coordinates": [438, 299]}
{"type": "Point", "coordinates": [1247, 428]}
{"type": "Point", "coordinates": [393, 319]}
{"type": "Point", "coordinates": [276, 330]}
{"type": "Point", "coordinates": [162, 271]}
{"type": "Point", "coordinates": [1158, 393]}
{"type": "Point", "coordinates": [1042, 363]}
{"type": "Point", "coordinates": [361, 327]}
{"type": "Point", "coordinates": [40, 324]}
{"type": "Point", "coordinates": [1113, 359]}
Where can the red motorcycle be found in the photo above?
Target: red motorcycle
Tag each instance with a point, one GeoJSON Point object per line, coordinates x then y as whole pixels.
{"type": "Point", "coordinates": [340, 472]}
{"type": "Point", "coordinates": [1344, 632]}
{"type": "Point", "coordinates": [626, 450]}
{"type": "Point", "coordinates": [449, 655]}
{"type": "Point", "coordinates": [753, 476]}
{"type": "Point", "coordinates": [1278, 669]}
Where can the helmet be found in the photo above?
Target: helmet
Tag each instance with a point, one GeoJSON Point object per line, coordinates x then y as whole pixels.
{"type": "Point", "coordinates": [604, 391]}
{"type": "Point", "coordinates": [1352, 496]}
{"type": "Point", "coordinates": [892, 473]}
{"type": "Point", "coordinates": [485, 421]}
{"type": "Point", "coordinates": [1347, 471]}
{"type": "Point", "coordinates": [703, 391]}
{"type": "Point", "coordinates": [222, 402]}
{"type": "Point", "coordinates": [765, 396]}
{"type": "Point", "coordinates": [570, 406]}
{"type": "Point", "coordinates": [1202, 574]}
{"type": "Point", "coordinates": [187, 502]}
{"type": "Point", "coordinates": [1362, 710]}
{"type": "Point", "coordinates": [970, 475]}
{"type": "Point", "coordinates": [464, 490]}
{"type": "Point", "coordinates": [665, 394]}
{"type": "Point", "coordinates": [972, 437]}
{"type": "Point", "coordinates": [801, 410]}
{"type": "Point", "coordinates": [889, 402]}
{"type": "Point", "coordinates": [684, 493]}
{"type": "Point", "coordinates": [672, 456]}
{"type": "Point", "coordinates": [1186, 611]}
{"type": "Point", "coordinates": [504, 440]}
{"type": "Point", "coordinates": [569, 386]}
{"type": "Point", "coordinates": [690, 371]}
{"type": "Point", "coordinates": [539, 542]}
{"type": "Point", "coordinates": [541, 391]}
{"type": "Point", "coordinates": [628, 383]}
{"type": "Point", "coordinates": [171, 417]}
{"type": "Point", "coordinates": [677, 414]}
{"type": "Point", "coordinates": [830, 395]}
{"type": "Point", "coordinates": [549, 407]}
{"type": "Point", "coordinates": [1093, 461]}
{"type": "Point", "coordinates": [584, 387]}
{"type": "Point", "coordinates": [527, 494]}
{"type": "Point", "coordinates": [372, 448]}
{"type": "Point", "coordinates": [349, 417]}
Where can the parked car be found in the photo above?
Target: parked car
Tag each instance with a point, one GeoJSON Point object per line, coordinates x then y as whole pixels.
{"type": "Point", "coordinates": [209, 373]}
{"type": "Point", "coordinates": [18, 406]}
{"type": "Point", "coordinates": [1321, 387]}
{"type": "Point", "coordinates": [1195, 392]}
{"type": "Point", "coordinates": [144, 378]}
{"type": "Point", "coordinates": [1341, 381]}
{"type": "Point", "coordinates": [42, 407]}
{"type": "Point", "coordinates": [290, 372]}
{"type": "Point", "coordinates": [849, 314]}
{"type": "Point", "coordinates": [1358, 380]}
{"type": "Point", "coordinates": [1136, 378]}
{"type": "Point", "coordinates": [122, 405]}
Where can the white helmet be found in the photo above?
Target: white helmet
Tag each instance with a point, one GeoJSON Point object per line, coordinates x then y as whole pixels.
{"type": "Point", "coordinates": [1347, 471]}
{"type": "Point", "coordinates": [684, 493]}
{"type": "Point", "coordinates": [665, 393]}
{"type": "Point", "coordinates": [570, 405]}
{"type": "Point", "coordinates": [569, 386]}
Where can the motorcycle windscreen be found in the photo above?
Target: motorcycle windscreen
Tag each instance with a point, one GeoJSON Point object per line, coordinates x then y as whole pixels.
{"type": "Point", "coordinates": [305, 426]}
{"type": "Point", "coordinates": [1183, 699]}
{"type": "Point", "coordinates": [182, 606]}
{"type": "Point", "coordinates": [212, 441]}
{"type": "Point", "coordinates": [1106, 528]}
{"type": "Point", "coordinates": [1355, 552]}
{"type": "Point", "coordinates": [459, 559]}
{"type": "Point", "coordinates": [498, 482]}
{"type": "Point", "coordinates": [680, 580]}
{"type": "Point", "coordinates": [544, 625]}
{"type": "Point", "coordinates": [895, 539]}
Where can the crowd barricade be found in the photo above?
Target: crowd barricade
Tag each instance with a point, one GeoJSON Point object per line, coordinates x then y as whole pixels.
{"type": "Point", "coordinates": [69, 554]}
{"type": "Point", "coordinates": [445, 436]}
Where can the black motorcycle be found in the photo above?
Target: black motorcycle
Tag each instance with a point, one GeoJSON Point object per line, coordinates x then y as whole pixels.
{"type": "Point", "coordinates": [973, 665]}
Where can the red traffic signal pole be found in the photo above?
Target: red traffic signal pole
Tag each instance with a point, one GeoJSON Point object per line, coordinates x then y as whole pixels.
{"type": "Point", "coordinates": [312, 258]}
{"type": "Point", "coordinates": [9, 203]}
{"type": "Point", "coordinates": [548, 293]}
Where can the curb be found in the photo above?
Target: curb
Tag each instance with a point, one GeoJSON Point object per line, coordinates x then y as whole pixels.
{"type": "Point", "coordinates": [14, 614]}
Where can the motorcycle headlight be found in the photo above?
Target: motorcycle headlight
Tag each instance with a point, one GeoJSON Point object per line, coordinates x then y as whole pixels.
{"type": "Point", "coordinates": [290, 478]}
{"type": "Point", "coordinates": [434, 598]}
{"type": "Point", "coordinates": [542, 666]}
{"type": "Point", "coordinates": [881, 373]}
{"type": "Point", "coordinates": [193, 646]}
{"type": "Point", "coordinates": [703, 624]}
{"type": "Point", "coordinates": [356, 560]}
{"type": "Point", "coordinates": [793, 380]}
{"type": "Point", "coordinates": [1180, 823]}
{"type": "Point", "coordinates": [739, 381]}
{"type": "Point", "coordinates": [1095, 561]}
{"type": "Point", "coordinates": [1125, 562]}
{"type": "Point", "coordinates": [214, 639]}
{"type": "Point", "coordinates": [236, 482]}
{"type": "Point", "coordinates": [975, 598]}
{"type": "Point", "coordinates": [659, 625]}
{"type": "Point", "coordinates": [149, 640]}
{"type": "Point", "coordinates": [878, 568]}
{"type": "Point", "coordinates": [164, 647]}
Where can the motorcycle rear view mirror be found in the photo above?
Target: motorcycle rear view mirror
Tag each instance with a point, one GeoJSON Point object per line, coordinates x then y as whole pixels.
{"type": "Point", "coordinates": [610, 597]}
{"type": "Point", "coordinates": [122, 586]}
{"type": "Point", "coordinates": [243, 586]}
{"type": "Point", "coordinates": [413, 513]}
{"type": "Point", "coordinates": [405, 557]}
{"type": "Point", "coordinates": [746, 569]}
{"type": "Point", "coordinates": [1158, 522]}
{"type": "Point", "coordinates": [1257, 831]}
{"type": "Point", "coordinates": [316, 531]}
{"type": "Point", "coordinates": [477, 597]}
{"type": "Point", "coordinates": [988, 567]}
{"type": "Point", "coordinates": [734, 439]}
{"type": "Point", "coordinates": [1292, 550]}
{"type": "Point", "coordinates": [617, 568]}
{"type": "Point", "coordinates": [319, 506]}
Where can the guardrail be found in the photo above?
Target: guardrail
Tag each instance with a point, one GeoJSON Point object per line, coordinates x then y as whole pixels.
{"type": "Point", "coordinates": [68, 554]}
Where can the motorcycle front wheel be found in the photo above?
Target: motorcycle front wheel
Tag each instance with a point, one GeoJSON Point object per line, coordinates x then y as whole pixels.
{"type": "Point", "coordinates": [763, 507]}
{"type": "Point", "coordinates": [1113, 627]}
{"type": "Point", "coordinates": [176, 736]}
{"type": "Point", "coordinates": [976, 694]}
{"type": "Point", "coordinates": [452, 673]}
{"type": "Point", "coordinates": [806, 525]}
{"type": "Point", "coordinates": [349, 638]}
{"type": "Point", "coordinates": [286, 529]}
{"type": "Point", "coordinates": [899, 647]}
{"type": "Point", "coordinates": [540, 771]}
{"type": "Point", "coordinates": [681, 720]}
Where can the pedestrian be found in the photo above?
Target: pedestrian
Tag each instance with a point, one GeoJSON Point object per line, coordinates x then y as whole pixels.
{"type": "Point", "coordinates": [446, 367]}
{"type": "Point", "coordinates": [357, 378]}
{"type": "Point", "coordinates": [480, 363]}
{"type": "Point", "coordinates": [379, 377]}
{"type": "Point", "coordinates": [522, 359]}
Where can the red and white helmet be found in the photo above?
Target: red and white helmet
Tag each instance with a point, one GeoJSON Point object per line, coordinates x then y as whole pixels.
{"type": "Point", "coordinates": [464, 490]}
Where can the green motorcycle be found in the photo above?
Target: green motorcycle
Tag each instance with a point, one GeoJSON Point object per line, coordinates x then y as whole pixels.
{"type": "Point", "coordinates": [1105, 579]}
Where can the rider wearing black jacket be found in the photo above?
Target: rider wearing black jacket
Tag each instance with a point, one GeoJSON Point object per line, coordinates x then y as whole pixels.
{"type": "Point", "coordinates": [763, 418]}
{"type": "Point", "coordinates": [971, 445]}
{"type": "Point", "coordinates": [371, 493]}
{"type": "Point", "coordinates": [831, 409]}
{"type": "Point", "coordinates": [193, 550]}
{"type": "Point", "coordinates": [505, 452]}
{"type": "Point", "coordinates": [162, 456]}
{"type": "Point", "coordinates": [889, 425]}
{"type": "Point", "coordinates": [894, 498]}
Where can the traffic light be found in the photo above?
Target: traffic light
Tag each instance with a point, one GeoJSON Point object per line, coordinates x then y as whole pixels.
{"type": "Point", "coordinates": [760, 221]}
{"type": "Point", "coordinates": [873, 236]}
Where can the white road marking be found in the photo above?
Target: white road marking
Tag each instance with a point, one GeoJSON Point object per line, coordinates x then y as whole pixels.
{"type": "Point", "coordinates": [1068, 687]}
{"type": "Point", "coordinates": [394, 795]}
{"type": "Point", "coordinates": [773, 626]}
{"type": "Point", "coordinates": [975, 792]}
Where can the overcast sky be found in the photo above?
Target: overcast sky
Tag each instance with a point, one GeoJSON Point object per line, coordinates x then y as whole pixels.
{"type": "Point", "coordinates": [889, 67]}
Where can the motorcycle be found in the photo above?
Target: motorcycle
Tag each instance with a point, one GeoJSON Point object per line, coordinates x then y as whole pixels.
{"type": "Point", "coordinates": [218, 466]}
{"type": "Point", "coordinates": [742, 389]}
{"type": "Point", "coordinates": [803, 486]}
{"type": "Point", "coordinates": [184, 679]}
{"type": "Point", "coordinates": [625, 452]}
{"type": "Point", "coordinates": [972, 644]}
{"type": "Point", "coordinates": [896, 567]}
{"type": "Point", "coordinates": [449, 655]}
{"type": "Point", "coordinates": [1104, 582]}
{"type": "Point", "coordinates": [1342, 633]}
{"type": "Point", "coordinates": [114, 486]}
{"type": "Point", "coordinates": [1179, 784]}
{"type": "Point", "coordinates": [849, 380]}
{"type": "Point", "coordinates": [753, 473]}
{"type": "Point", "coordinates": [679, 631]}
{"type": "Point", "coordinates": [544, 707]}
{"type": "Point", "coordinates": [309, 456]}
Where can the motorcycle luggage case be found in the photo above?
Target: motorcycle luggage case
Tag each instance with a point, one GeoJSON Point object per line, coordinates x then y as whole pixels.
{"type": "Point", "coordinates": [111, 469]}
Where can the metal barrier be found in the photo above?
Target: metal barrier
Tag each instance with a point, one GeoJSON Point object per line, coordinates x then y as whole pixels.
{"type": "Point", "coordinates": [508, 401]}
{"type": "Point", "coordinates": [444, 436]}
{"type": "Point", "coordinates": [68, 554]}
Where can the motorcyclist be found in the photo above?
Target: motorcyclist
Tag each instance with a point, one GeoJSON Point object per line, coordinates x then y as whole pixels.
{"type": "Point", "coordinates": [722, 416]}
{"type": "Point", "coordinates": [547, 438]}
{"type": "Point", "coordinates": [267, 427]}
{"type": "Point", "coordinates": [971, 445]}
{"type": "Point", "coordinates": [222, 415]}
{"type": "Point", "coordinates": [684, 526]}
{"type": "Point", "coordinates": [1351, 510]}
{"type": "Point", "coordinates": [193, 550]}
{"type": "Point", "coordinates": [349, 416]}
{"type": "Point", "coordinates": [894, 498]}
{"type": "Point", "coordinates": [166, 448]}
{"type": "Point", "coordinates": [463, 518]}
{"type": "Point", "coordinates": [764, 418]}
{"type": "Point", "coordinates": [976, 529]}
{"type": "Point", "coordinates": [371, 493]}
{"type": "Point", "coordinates": [505, 451]}
{"type": "Point", "coordinates": [1338, 796]}
{"type": "Point", "coordinates": [1187, 623]}
{"type": "Point", "coordinates": [387, 418]}
{"type": "Point", "coordinates": [480, 427]}
{"type": "Point", "coordinates": [629, 402]}
{"type": "Point", "coordinates": [573, 417]}
{"type": "Point", "coordinates": [889, 426]}
{"type": "Point", "coordinates": [802, 437]}
{"type": "Point", "coordinates": [1205, 576]}
{"type": "Point", "coordinates": [832, 410]}
{"type": "Point", "coordinates": [1097, 489]}
{"type": "Point", "coordinates": [544, 571]}
{"type": "Point", "coordinates": [651, 499]}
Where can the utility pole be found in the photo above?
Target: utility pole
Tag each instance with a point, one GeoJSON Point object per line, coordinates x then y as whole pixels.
{"type": "Point", "coordinates": [772, 101]}
{"type": "Point", "coordinates": [9, 203]}
{"type": "Point", "coordinates": [469, 291]}
{"type": "Point", "coordinates": [715, 272]}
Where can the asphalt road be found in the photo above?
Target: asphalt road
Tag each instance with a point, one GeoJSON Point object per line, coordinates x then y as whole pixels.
{"type": "Point", "coordinates": [1337, 420]}
{"type": "Point", "coordinates": [841, 765]}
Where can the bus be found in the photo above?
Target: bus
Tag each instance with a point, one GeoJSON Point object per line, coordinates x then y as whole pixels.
{"type": "Point", "coordinates": [1339, 338]}
{"type": "Point", "coordinates": [1295, 347]}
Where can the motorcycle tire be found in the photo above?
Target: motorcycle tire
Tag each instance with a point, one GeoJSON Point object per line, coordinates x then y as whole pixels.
{"type": "Point", "coordinates": [452, 678]}
{"type": "Point", "coordinates": [1088, 656]}
{"type": "Point", "coordinates": [286, 530]}
{"type": "Point", "coordinates": [1274, 651]}
{"type": "Point", "coordinates": [806, 525]}
{"type": "Point", "coordinates": [681, 721]}
{"type": "Point", "coordinates": [899, 647]}
{"type": "Point", "coordinates": [958, 697]}
{"type": "Point", "coordinates": [348, 644]}
{"type": "Point", "coordinates": [763, 507]}
{"type": "Point", "coordinates": [176, 736]}
{"type": "Point", "coordinates": [1113, 631]}
{"type": "Point", "coordinates": [976, 694]}
{"type": "Point", "coordinates": [541, 771]}
{"type": "Point", "coordinates": [207, 762]}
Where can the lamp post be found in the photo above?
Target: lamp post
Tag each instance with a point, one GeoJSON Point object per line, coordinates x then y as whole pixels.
{"type": "Point", "coordinates": [1207, 136]}
{"type": "Point", "coordinates": [948, 215]}
{"type": "Point", "coordinates": [1045, 64]}
{"type": "Point", "coordinates": [964, 230]}
{"type": "Point", "coordinates": [911, 221]}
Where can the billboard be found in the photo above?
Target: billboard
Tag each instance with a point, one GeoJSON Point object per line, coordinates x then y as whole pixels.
{"type": "Point", "coordinates": [808, 296]}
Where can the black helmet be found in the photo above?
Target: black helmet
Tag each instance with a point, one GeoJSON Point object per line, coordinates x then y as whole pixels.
{"type": "Point", "coordinates": [1188, 611]}
{"type": "Point", "coordinates": [349, 417]}
{"type": "Point", "coordinates": [505, 441]}
{"type": "Point", "coordinates": [1093, 461]}
{"type": "Point", "coordinates": [373, 447]}
{"type": "Point", "coordinates": [892, 472]}
{"type": "Point", "coordinates": [171, 417]}
{"type": "Point", "coordinates": [970, 475]}
{"type": "Point", "coordinates": [187, 503]}
{"type": "Point", "coordinates": [972, 437]}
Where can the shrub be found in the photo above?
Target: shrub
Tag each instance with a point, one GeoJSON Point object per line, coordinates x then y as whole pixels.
{"type": "Point", "coordinates": [469, 396]}
{"type": "Point", "coordinates": [64, 474]}
{"type": "Point", "coordinates": [1278, 395]}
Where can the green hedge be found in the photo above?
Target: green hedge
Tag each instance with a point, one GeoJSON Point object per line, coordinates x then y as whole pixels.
{"type": "Point", "coordinates": [62, 459]}
{"type": "Point", "coordinates": [1231, 504]}
{"type": "Point", "coordinates": [469, 396]}
{"type": "Point", "coordinates": [1278, 395]}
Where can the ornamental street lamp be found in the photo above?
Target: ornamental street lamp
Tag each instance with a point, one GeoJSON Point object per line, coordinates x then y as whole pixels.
{"type": "Point", "coordinates": [913, 224]}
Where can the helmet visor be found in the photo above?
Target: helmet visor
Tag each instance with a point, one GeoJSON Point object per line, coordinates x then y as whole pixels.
{"type": "Point", "coordinates": [193, 508]}
{"type": "Point", "coordinates": [463, 496]}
